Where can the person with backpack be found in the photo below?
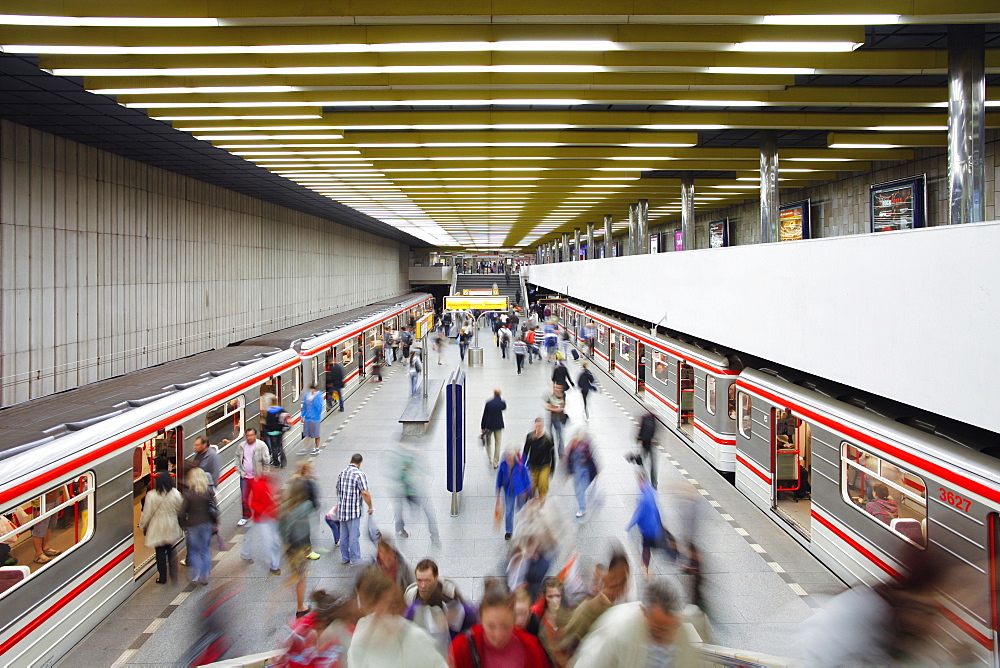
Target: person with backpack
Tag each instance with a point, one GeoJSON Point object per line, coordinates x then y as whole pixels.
{"type": "Point", "coordinates": [582, 467]}
{"type": "Point", "coordinates": [520, 350]}
{"type": "Point", "coordinates": [406, 340]}
{"type": "Point", "coordinates": [496, 640]}
{"type": "Point", "coordinates": [560, 376]}
{"type": "Point", "coordinates": [413, 369]}
{"type": "Point", "coordinates": [503, 340]}
{"type": "Point", "coordinates": [647, 431]}
{"type": "Point", "coordinates": [335, 385]}
{"type": "Point", "coordinates": [275, 425]}
{"type": "Point", "coordinates": [586, 383]}
{"type": "Point", "coordinates": [463, 343]}
{"type": "Point", "coordinates": [530, 339]}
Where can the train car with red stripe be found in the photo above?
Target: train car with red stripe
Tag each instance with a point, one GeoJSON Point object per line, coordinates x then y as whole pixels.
{"type": "Point", "coordinates": [74, 471]}
{"type": "Point", "coordinates": [860, 481]}
{"type": "Point", "coordinates": [692, 388]}
{"type": "Point", "coordinates": [75, 468]}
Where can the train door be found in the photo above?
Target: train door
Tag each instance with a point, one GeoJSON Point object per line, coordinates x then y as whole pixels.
{"type": "Point", "coordinates": [791, 439]}
{"type": "Point", "coordinates": [612, 341]}
{"type": "Point", "coordinates": [993, 535]}
{"type": "Point", "coordinates": [362, 356]}
{"type": "Point", "coordinates": [163, 452]}
{"type": "Point", "coordinates": [640, 368]}
{"type": "Point", "coordinates": [685, 397]}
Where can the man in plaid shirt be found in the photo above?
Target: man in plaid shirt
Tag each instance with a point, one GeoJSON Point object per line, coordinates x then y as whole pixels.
{"type": "Point", "coordinates": [352, 487]}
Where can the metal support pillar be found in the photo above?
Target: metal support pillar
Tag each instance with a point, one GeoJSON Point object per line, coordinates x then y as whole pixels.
{"type": "Point", "coordinates": [633, 222]}
{"type": "Point", "coordinates": [768, 188]}
{"type": "Point", "coordinates": [687, 210]}
{"type": "Point", "coordinates": [576, 243]}
{"type": "Point", "coordinates": [608, 242]}
{"type": "Point", "coordinates": [642, 227]}
{"type": "Point", "coordinates": [591, 249]}
{"type": "Point", "coordinates": [564, 249]}
{"type": "Point", "coordinates": [966, 123]}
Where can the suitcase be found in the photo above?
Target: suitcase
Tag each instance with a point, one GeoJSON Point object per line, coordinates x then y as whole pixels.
{"type": "Point", "coordinates": [576, 355]}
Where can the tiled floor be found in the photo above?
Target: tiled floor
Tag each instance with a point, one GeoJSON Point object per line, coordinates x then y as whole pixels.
{"type": "Point", "coordinates": [752, 605]}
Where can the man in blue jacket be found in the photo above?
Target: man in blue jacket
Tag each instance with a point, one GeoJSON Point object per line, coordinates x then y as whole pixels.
{"type": "Point", "coordinates": [515, 483]}
{"type": "Point", "coordinates": [312, 413]}
{"type": "Point", "coordinates": [492, 426]}
{"type": "Point", "coordinates": [647, 518]}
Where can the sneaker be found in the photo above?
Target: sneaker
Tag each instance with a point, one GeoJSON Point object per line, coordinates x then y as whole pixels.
{"type": "Point", "coordinates": [275, 571]}
{"type": "Point", "coordinates": [581, 513]}
{"type": "Point", "coordinates": [242, 522]}
{"type": "Point", "coordinates": [183, 562]}
{"type": "Point", "coordinates": [506, 536]}
{"type": "Point", "coordinates": [302, 613]}
{"type": "Point", "coordinates": [402, 533]}
{"type": "Point", "coordinates": [301, 453]}
{"type": "Point", "coordinates": [314, 451]}
{"type": "Point", "coordinates": [345, 561]}
{"type": "Point", "coordinates": [313, 556]}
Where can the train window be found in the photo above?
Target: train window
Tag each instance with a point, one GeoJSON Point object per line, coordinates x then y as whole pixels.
{"type": "Point", "coordinates": [47, 528]}
{"type": "Point", "coordinates": [710, 394]}
{"type": "Point", "coordinates": [224, 423]}
{"type": "Point", "coordinates": [297, 384]}
{"type": "Point", "coordinates": [885, 493]}
{"type": "Point", "coordinates": [731, 402]}
{"type": "Point", "coordinates": [660, 367]}
{"type": "Point", "coordinates": [624, 347]}
{"type": "Point", "coordinates": [347, 354]}
{"type": "Point", "coordinates": [744, 416]}
{"type": "Point", "coordinates": [271, 387]}
{"type": "Point", "coordinates": [602, 335]}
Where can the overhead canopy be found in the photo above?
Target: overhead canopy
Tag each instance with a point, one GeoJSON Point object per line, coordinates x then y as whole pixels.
{"type": "Point", "coordinates": [504, 124]}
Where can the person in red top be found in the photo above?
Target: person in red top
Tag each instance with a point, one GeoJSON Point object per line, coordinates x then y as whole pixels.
{"type": "Point", "coordinates": [264, 500]}
{"type": "Point", "coordinates": [496, 642]}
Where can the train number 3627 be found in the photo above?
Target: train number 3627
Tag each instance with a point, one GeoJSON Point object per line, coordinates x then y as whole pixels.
{"type": "Point", "coordinates": [953, 499]}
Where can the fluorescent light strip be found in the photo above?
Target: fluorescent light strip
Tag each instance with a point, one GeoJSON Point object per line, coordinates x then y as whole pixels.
{"type": "Point", "coordinates": [797, 47]}
{"type": "Point", "coordinates": [337, 103]}
{"type": "Point", "coordinates": [333, 70]}
{"type": "Point", "coordinates": [830, 19]}
{"type": "Point", "coordinates": [713, 103]}
{"type": "Point", "coordinates": [230, 137]}
{"type": "Point", "coordinates": [755, 70]}
{"type": "Point", "coordinates": [863, 146]}
{"type": "Point", "coordinates": [397, 47]}
{"type": "Point", "coordinates": [275, 117]}
{"type": "Point", "coordinates": [909, 128]}
{"type": "Point", "coordinates": [252, 128]}
{"type": "Point", "coordinates": [193, 89]}
{"type": "Point", "coordinates": [107, 21]}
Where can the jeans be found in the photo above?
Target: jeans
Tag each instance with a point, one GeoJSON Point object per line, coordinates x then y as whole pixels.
{"type": "Point", "coordinates": [340, 393]}
{"type": "Point", "coordinates": [414, 382]}
{"type": "Point", "coordinates": [647, 452]}
{"type": "Point", "coordinates": [581, 480]}
{"type": "Point", "coordinates": [511, 506]}
{"type": "Point", "coordinates": [462, 347]}
{"type": "Point", "coordinates": [584, 393]}
{"type": "Point", "coordinates": [274, 442]}
{"type": "Point", "coordinates": [199, 560]}
{"type": "Point", "coordinates": [520, 362]}
{"type": "Point", "coordinates": [165, 562]}
{"type": "Point", "coordinates": [423, 505]}
{"type": "Point", "coordinates": [503, 350]}
{"type": "Point", "coordinates": [335, 528]}
{"type": "Point", "coordinates": [245, 497]}
{"type": "Point", "coordinates": [556, 425]}
{"type": "Point", "coordinates": [269, 535]}
{"type": "Point", "coordinates": [350, 544]}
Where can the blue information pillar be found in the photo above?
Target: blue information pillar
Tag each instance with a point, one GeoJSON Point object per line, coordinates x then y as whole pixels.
{"type": "Point", "coordinates": [455, 392]}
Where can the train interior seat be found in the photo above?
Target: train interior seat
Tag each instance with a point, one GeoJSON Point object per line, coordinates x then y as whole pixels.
{"type": "Point", "coordinates": [910, 528]}
{"type": "Point", "coordinates": [11, 575]}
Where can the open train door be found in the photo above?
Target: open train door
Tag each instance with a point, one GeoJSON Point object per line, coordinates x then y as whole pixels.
{"type": "Point", "coordinates": [162, 453]}
{"type": "Point", "coordinates": [640, 368]}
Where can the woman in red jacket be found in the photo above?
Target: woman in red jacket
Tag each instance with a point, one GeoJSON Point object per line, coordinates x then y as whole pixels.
{"type": "Point", "coordinates": [496, 642]}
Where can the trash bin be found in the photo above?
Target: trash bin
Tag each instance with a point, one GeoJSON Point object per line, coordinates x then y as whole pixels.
{"type": "Point", "coordinates": [475, 356]}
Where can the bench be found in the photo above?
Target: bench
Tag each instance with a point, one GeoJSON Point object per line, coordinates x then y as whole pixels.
{"type": "Point", "coordinates": [418, 412]}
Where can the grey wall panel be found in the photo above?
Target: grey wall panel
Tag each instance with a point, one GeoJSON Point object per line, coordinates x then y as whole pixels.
{"type": "Point", "coordinates": [110, 265]}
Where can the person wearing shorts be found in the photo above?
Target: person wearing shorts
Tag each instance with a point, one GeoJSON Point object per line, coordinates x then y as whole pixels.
{"type": "Point", "coordinates": [40, 534]}
{"type": "Point", "coordinates": [312, 413]}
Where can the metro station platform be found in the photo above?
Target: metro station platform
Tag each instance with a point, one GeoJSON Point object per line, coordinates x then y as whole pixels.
{"type": "Point", "coordinates": [759, 583]}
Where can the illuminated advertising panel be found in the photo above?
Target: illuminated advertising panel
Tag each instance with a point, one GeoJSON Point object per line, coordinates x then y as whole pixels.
{"type": "Point", "coordinates": [793, 221]}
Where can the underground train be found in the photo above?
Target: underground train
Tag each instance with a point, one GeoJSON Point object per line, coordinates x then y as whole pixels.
{"type": "Point", "coordinates": [858, 480]}
{"type": "Point", "coordinates": [75, 466]}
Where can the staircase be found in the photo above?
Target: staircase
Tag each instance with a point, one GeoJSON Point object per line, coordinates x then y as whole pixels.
{"type": "Point", "coordinates": [486, 281]}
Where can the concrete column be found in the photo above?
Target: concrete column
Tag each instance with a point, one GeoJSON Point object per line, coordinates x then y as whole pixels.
{"type": "Point", "coordinates": [591, 249]}
{"type": "Point", "coordinates": [642, 227]}
{"type": "Point", "coordinates": [607, 235]}
{"type": "Point", "coordinates": [768, 188]}
{"type": "Point", "coordinates": [687, 210]}
{"type": "Point", "coordinates": [576, 243]}
{"type": "Point", "coordinates": [564, 249]}
{"type": "Point", "coordinates": [966, 123]}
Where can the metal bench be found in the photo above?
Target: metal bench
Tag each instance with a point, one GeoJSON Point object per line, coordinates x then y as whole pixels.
{"type": "Point", "coordinates": [418, 412]}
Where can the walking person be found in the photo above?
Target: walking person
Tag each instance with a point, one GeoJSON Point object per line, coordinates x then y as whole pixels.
{"type": "Point", "coordinates": [520, 350]}
{"type": "Point", "coordinates": [514, 484]}
{"type": "Point", "coordinates": [264, 504]}
{"type": "Point", "coordinates": [555, 404]}
{"type": "Point", "coordinates": [496, 642]}
{"type": "Point", "coordinates": [492, 426]}
{"type": "Point", "coordinates": [251, 464]}
{"type": "Point", "coordinates": [586, 383]}
{"type": "Point", "coordinates": [463, 343]}
{"type": "Point", "coordinates": [394, 342]}
{"type": "Point", "coordinates": [294, 527]}
{"type": "Point", "coordinates": [413, 369]}
{"type": "Point", "coordinates": [207, 458]}
{"type": "Point", "coordinates": [540, 458]}
{"type": "Point", "coordinates": [439, 340]}
{"type": "Point", "coordinates": [650, 524]}
{"type": "Point", "coordinates": [335, 385]}
{"type": "Point", "coordinates": [565, 343]}
{"type": "Point", "coordinates": [560, 376]}
{"type": "Point", "coordinates": [504, 336]}
{"type": "Point", "coordinates": [582, 467]}
{"type": "Point", "coordinates": [159, 523]}
{"type": "Point", "coordinates": [410, 488]}
{"type": "Point", "coordinates": [352, 488]}
{"type": "Point", "coordinates": [198, 514]}
{"type": "Point", "coordinates": [647, 431]}
{"type": "Point", "coordinates": [275, 425]}
{"type": "Point", "coordinates": [312, 413]}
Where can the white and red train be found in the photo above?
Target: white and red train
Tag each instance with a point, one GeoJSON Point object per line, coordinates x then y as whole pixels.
{"type": "Point", "coordinates": [75, 466]}
{"type": "Point", "coordinates": [859, 480]}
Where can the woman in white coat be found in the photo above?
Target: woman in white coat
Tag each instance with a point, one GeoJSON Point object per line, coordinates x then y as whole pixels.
{"type": "Point", "coordinates": [159, 523]}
